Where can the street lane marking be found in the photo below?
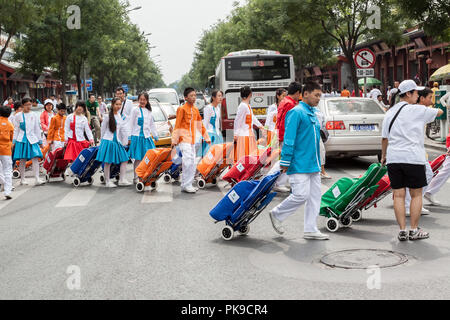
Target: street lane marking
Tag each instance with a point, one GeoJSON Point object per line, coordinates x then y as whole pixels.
{"type": "Point", "coordinates": [163, 194]}
{"type": "Point", "coordinates": [78, 198]}
{"type": "Point", "coordinates": [15, 195]}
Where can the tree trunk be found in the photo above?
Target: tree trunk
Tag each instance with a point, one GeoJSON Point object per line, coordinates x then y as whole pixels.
{"type": "Point", "coordinates": [349, 56]}
{"type": "Point", "coordinates": [78, 76]}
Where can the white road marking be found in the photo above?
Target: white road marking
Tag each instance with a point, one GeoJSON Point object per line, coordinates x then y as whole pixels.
{"type": "Point", "coordinates": [163, 194]}
{"type": "Point", "coordinates": [78, 197]}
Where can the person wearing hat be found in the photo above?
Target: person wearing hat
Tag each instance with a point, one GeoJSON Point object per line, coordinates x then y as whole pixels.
{"type": "Point", "coordinates": [404, 153]}
{"type": "Point", "coordinates": [46, 117]}
{"type": "Point", "coordinates": [56, 135]}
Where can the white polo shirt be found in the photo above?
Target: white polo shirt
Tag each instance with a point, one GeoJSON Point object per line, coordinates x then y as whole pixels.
{"type": "Point", "coordinates": [407, 136]}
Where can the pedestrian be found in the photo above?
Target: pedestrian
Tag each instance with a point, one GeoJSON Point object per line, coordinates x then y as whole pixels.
{"type": "Point", "coordinates": [18, 107]}
{"type": "Point", "coordinates": [272, 113]}
{"type": "Point", "coordinates": [94, 116]}
{"type": "Point", "coordinates": [323, 139]}
{"type": "Point", "coordinates": [114, 136]}
{"type": "Point", "coordinates": [45, 118]}
{"type": "Point", "coordinates": [300, 158]}
{"type": "Point", "coordinates": [127, 105]}
{"type": "Point", "coordinates": [425, 97]}
{"type": "Point", "coordinates": [75, 128]}
{"type": "Point", "coordinates": [27, 141]}
{"type": "Point", "coordinates": [287, 104]}
{"type": "Point", "coordinates": [394, 92]}
{"type": "Point", "coordinates": [243, 126]}
{"type": "Point", "coordinates": [6, 141]}
{"type": "Point", "coordinates": [211, 120]}
{"type": "Point", "coordinates": [56, 137]}
{"type": "Point", "coordinates": [345, 93]}
{"type": "Point", "coordinates": [143, 131]}
{"type": "Point", "coordinates": [404, 153]}
{"type": "Point", "coordinates": [9, 102]}
{"type": "Point", "coordinates": [184, 135]}
{"type": "Point", "coordinates": [102, 107]}
{"type": "Point", "coordinates": [54, 100]}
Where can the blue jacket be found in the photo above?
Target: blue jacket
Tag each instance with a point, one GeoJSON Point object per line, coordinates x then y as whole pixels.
{"type": "Point", "coordinates": [301, 148]}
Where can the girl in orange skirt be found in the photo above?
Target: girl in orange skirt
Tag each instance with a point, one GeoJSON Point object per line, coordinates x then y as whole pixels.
{"type": "Point", "coordinates": [243, 127]}
{"type": "Point", "coordinates": [75, 127]}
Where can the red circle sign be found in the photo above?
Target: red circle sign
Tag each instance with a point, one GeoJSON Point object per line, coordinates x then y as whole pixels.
{"type": "Point", "coordinates": [365, 59]}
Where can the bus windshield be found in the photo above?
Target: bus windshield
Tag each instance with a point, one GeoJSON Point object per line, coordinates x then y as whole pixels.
{"type": "Point", "coordinates": [257, 68]}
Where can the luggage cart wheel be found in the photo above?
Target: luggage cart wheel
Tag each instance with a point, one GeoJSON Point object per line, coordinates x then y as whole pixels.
{"type": "Point", "coordinates": [76, 182]}
{"type": "Point", "coordinates": [357, 216]}
{"type": "Point", "coordinates": [244, 230]}
{"type": "Point", "coordinates": [90, 181]}
{"type": "Point", "coordinates": [167, 178]}
{"type": "Point", "coordinates": [347, 222]}
{"type": "Point", "coordinates": [102, 179]}
{"type": "Point", "coordinates": [16, 174]}
{"type": "Point", "coordinates": [154, 185]}
{"type": "Point", "coordinates": [47, 178]}
{"type": "Point", "coordinates": [214, 182]}
{"type": "Point", "coordinates": [201, 183]}
{"type": "Point", "coordinates": [332, 225]}
{"type": "Point", "coordinates": [140, 187]}
{"type": "Point", "coordinates": [227, 233]}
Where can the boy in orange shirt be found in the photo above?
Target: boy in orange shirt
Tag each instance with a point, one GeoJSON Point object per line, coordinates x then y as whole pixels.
{"type": "Point", "coordinates": [6, 139]}
{"type": "Point", "coordinates": [55, 137]}
{"type": "Point", "coordinates": [188, 122]}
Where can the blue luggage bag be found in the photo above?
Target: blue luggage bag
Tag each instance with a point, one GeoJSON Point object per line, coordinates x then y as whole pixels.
{"type": "Point", "coordinates": [243, 204]}
{"type": "Point", "coordinates": [85, 166]}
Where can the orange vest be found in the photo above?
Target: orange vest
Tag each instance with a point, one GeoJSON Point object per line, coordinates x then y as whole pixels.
{"type": "Point", "coordinates": [6, 137]}
{"type": "Point", "coordinates": [56, 129]}
{"type": "Point", "coordinates": [188, 120]}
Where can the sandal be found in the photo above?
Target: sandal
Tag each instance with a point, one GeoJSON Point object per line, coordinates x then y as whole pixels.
{"type": "Point", "coordinates": [403, 236]}
{"type": "Point", "coordinates": [418, 235]}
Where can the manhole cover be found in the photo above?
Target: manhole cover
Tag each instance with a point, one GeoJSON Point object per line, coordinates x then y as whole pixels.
{"type": "Point", "coordinates": [364, 258]}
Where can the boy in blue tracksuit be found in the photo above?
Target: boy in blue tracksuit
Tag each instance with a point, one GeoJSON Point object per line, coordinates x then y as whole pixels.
{"type": "Point", "coordinates": [300, 159]}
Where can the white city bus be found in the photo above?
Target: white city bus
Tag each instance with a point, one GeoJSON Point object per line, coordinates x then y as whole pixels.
{"type": "Point", "coordinates": [263, 70]}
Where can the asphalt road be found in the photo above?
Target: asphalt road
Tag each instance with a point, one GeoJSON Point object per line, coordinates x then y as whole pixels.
{"type": "Point", "coordinates": [94, 243]}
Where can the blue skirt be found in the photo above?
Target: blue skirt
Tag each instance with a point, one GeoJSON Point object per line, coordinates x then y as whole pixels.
{"type": "Point", "coordinates": [27, 151]}
{"type": "Point", "coordinates": [139, 147]}
{"type": "Point", "coordinates": [215, 139]}
{"type": "Point", "coordinates": [112, 152]}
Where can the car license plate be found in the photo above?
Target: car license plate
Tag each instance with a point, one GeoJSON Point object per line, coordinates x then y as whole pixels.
{"type": "Point", "coordinates": [259, 111]}
{"type": "Point", "coordinates": [364, 127]}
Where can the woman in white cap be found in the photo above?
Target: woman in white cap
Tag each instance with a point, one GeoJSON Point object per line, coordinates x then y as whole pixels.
{"type": "Point", "coordinates": [46, 118]}
{"type": "Point", "coordinates": [404, 153]}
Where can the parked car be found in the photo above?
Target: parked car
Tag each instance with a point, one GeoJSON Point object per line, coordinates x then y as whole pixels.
{"type": "Point", "coordinates": [355, 126]}
{"type": "Point", "coordinates": [201, 102]}
{"type": "Point", "coordinates": [170, 112]}
{"type": "Point", "coordinates": [163, 125]}
{"type": "Point", "coordinates": [165, 95]}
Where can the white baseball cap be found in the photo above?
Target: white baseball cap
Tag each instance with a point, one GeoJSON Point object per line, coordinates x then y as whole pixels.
{"type": "Point", "coordinates": [409, 85]}
{"type": "Point", "coordinates": [48, 101]}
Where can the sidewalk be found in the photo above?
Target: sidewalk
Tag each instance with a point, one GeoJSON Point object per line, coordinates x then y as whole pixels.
{"type": "Point", "coordinates": [435, 144]}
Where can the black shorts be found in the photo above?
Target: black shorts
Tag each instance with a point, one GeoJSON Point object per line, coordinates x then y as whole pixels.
{"type": "Point", "coordinates": [405, 175]}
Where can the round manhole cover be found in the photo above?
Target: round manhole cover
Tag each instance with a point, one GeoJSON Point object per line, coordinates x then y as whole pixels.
{"type": "Point", "coordinates": [363, 259]}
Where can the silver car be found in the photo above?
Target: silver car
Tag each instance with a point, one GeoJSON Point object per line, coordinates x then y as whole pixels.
{"type": "Point", "coordinates": [354, 125]}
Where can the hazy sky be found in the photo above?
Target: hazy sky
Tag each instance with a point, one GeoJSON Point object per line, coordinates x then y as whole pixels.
{"type": "Point", "coordinates": [176, 26]}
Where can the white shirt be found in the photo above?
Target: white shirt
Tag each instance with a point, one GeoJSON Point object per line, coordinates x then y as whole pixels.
{"type": "Point", "coordinates": [407, 137]}
{"type": "Point", "coordinates": [445, 100]}
{"type": "Point", "coordinates": [32, 126]}
{"type": "Point", "coordinates": [121, 131]}
{"type": "Point", "coordinates": [125, 113]}
{"type": "Point", "coordinates": [81, 126]}
{"type": "Point", "coordinates": [149, 124]}
{"type": "Point", "coordinates": [241, 129]}
{"type": "Point", "coordinates": [375, 93]}
{"type": "Point", "coordinates": [208, 113]}
{"type": "Point", "coordinates": [272, 113]}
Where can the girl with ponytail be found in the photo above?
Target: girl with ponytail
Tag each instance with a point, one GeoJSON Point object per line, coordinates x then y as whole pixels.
{"type": "Point", "coordinates": [111, 151]}
{"type": "Point", "coordinates": [143, 131]}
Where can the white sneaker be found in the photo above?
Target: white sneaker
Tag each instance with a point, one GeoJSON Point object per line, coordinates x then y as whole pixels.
{"type": "Point", "coordinates": [125, 183]}
{"type": "Point", "coordinates": [189, 190]}
{"type": "Point", "coordinates": [430, 198]}
{"type": "Point", "coordinates": [315, 236]}
{"type": "Point", "coordinates": [111, 185]}
{"type": "Point", "coordinates": [39, 182]}
{"type": "Point", "coordinates": [277, 224]}
{"type": "Point", "coordinates": [282, 189]}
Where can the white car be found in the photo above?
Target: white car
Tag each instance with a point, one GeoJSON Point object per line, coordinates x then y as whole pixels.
{"type": "Point", "coordinates": [354, 125]}
{"type": "Point", "coordinates": [165, 95]}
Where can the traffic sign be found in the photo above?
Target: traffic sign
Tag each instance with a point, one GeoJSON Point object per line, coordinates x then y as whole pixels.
{"type": "Point", "coordinates": [365, 59]}
{"type": "Point", "coordinates": [365, 73]}
{"type": "Point", "coordinates": [89, 87]}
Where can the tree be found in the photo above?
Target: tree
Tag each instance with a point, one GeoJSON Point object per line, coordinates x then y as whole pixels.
{"type": "Point", "coordinates": [15, 16]}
